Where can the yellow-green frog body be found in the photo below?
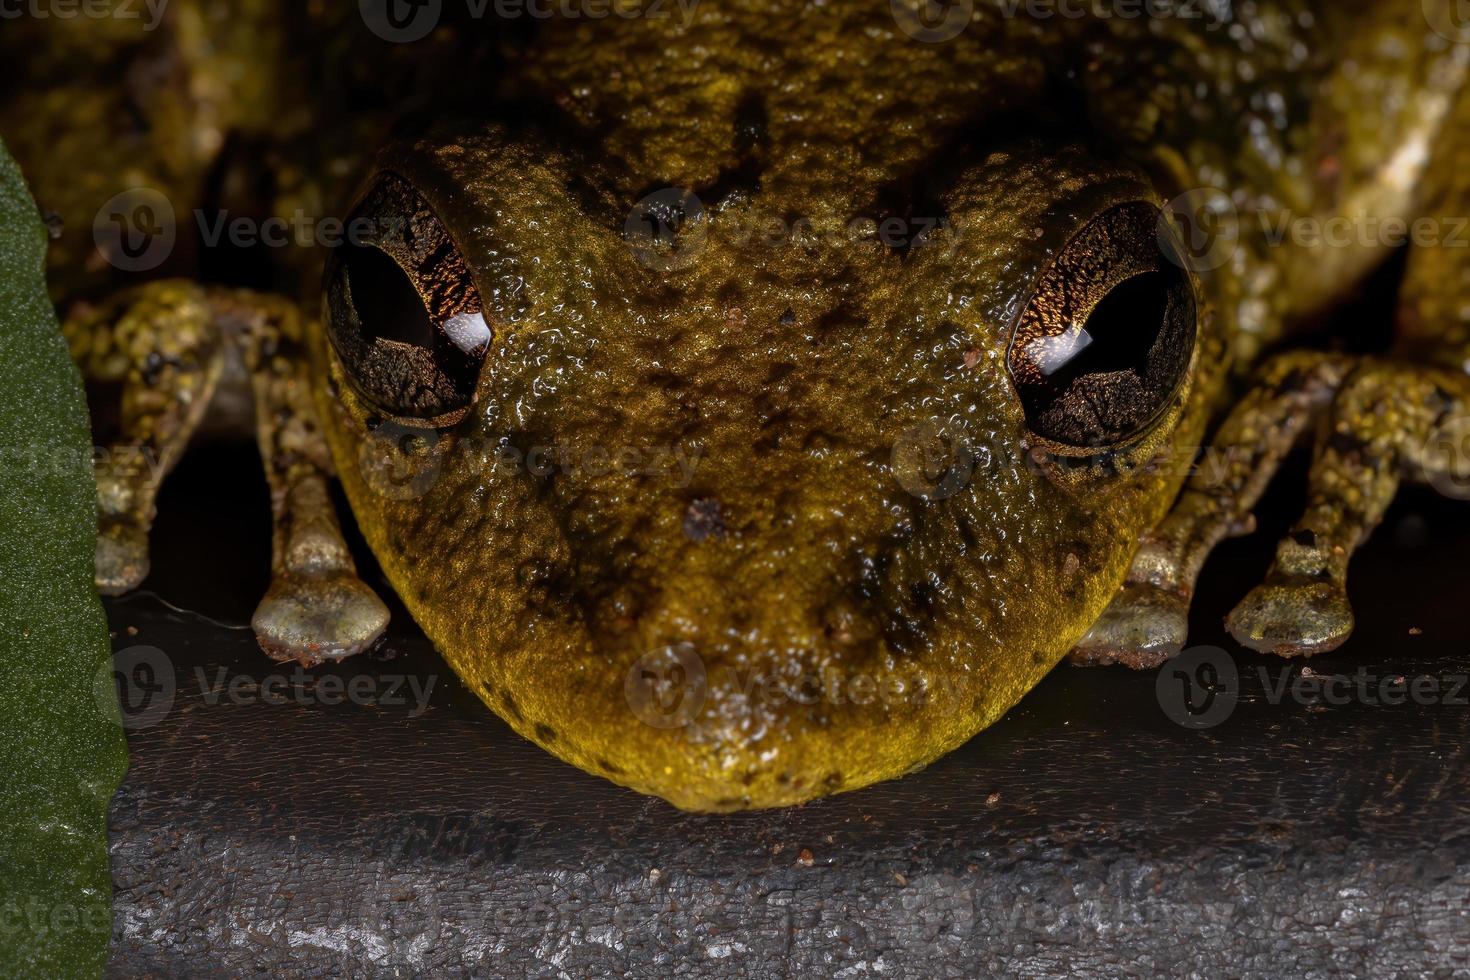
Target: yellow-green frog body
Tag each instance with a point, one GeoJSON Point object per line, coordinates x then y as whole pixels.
{"type": "Point", "coordinates": [754, 402]}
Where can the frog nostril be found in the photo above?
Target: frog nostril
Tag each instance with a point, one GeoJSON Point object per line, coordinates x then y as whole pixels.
{"type": "Point", "coordinates": [704, 518]}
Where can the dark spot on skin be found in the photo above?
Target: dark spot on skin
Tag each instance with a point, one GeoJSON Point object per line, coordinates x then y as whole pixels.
{"type": "Point", "coordinates": [779, 373]}
{"type": "Point", "coordinates": [488, 689]}
{"type": "Point", "coordinates": [752, 125]}
{"type": "Point", "coordinates": [910, 210]}
{"type": "Point", "coordinates": [832, 780]}
{"type": "Point", "coordinates": [922, 593]}
{"type": "Point", "coordinates": [608, 767]}
{"type": "Point", "coordinates": [153, 365]}
{"type": "Point", "coordinates": [704, 519]}
{"type": "Point", "coordinates": [545, 732]}
{"type": "Point", "coordinates": [750, 141]}
{"type": "Point", "coordinates": [904, 634]}
{"type": "Point", "coordinates": [747, 779]}
{"type": "Point", "coordinates": [1345, 444]}
{"type": "Point", "coordinates": [1446, 401]}
{"type": "Point", "coordinates": [1307, 538]}
{"type": "Point", "coordinates": [509, 704]}
{"type": "Point", "coordinates": [725, 802]}
{"type": "Point", "coordinates": [1293, 381]}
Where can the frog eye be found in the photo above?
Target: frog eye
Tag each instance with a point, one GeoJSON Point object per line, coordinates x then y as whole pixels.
{"type": "Point", "coordinates": [1104, 344]}
{"type": "Point", "coordinates": [403, 313]}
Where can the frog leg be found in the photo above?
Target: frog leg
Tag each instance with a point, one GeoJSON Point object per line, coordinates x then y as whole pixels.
{"type": "Point", "coordinates": [1390, 422]}
{"type": "Point", "coordinates": [316, 608]}
{"type": "Point", "coordinates": [1148, 621]}
{"type": "Point", "coordinates": [166, 343]}
{"type": "Point", "coordinates": [1380, 421]}
{"type": "Point", "coordinates": [159, 342]}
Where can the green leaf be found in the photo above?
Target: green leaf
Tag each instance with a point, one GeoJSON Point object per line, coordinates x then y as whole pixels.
{"type": "Point", "coordinates": [62, 752]}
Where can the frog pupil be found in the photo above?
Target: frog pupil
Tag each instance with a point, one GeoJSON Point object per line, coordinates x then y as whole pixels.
{"type": "Point", "coordinates": [1123, 328]}
{"type": "Point", "coordinates": [388, 306]}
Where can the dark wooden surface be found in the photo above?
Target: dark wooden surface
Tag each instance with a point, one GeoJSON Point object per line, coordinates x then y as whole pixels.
{"type": "Point", "coordinates": [1086, 833]}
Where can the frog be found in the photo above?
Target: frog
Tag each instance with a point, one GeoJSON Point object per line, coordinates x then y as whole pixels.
{"type": "Point", "coordinates": [754, 401]}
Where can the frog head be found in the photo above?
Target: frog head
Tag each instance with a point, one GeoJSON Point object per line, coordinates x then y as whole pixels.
{"type": "Point", "coordinates": [742, 497]}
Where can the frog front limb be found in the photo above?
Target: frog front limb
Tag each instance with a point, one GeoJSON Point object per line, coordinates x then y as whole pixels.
{"type": "Point", "coordinates": [166, 344]}
{"type": "Point", "coordinates": [1148, 622]}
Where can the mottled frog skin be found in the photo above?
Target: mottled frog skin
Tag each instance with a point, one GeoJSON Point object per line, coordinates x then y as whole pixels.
{"type": "Point", "coordinates": [754, 402]}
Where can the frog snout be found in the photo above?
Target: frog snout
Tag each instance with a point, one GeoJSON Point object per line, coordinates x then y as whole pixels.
{"type": "Point", "coordinates": [765, 616]}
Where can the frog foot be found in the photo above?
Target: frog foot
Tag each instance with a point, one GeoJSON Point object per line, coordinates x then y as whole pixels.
{"type": "Point", "coordinates": [122, 557]}
{"type": "Point", "coordinates": [313, 619]}
{"type": "Point", "coordinates": [1143, 627]}
{"type": "Point", "coordinates": [166, 344]}
{"type": "Point", "coordinates": [1292, 618]}
{"type": "Point", "coordinates": [1376, 423]}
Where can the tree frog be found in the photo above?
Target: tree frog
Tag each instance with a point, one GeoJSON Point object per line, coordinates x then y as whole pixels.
{"type": "Point", "coordinates": [753, 402]}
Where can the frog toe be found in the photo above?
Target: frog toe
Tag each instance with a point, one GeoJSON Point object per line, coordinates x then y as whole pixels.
{"type": "Point", "coordinates": [317, 618]}
{"type": "Point", "coordinates": [122, 557]}
{"type": "Point", "coordinates": [1143, 627]}
{"type": "Point", "coordinates": [1292, 618]}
